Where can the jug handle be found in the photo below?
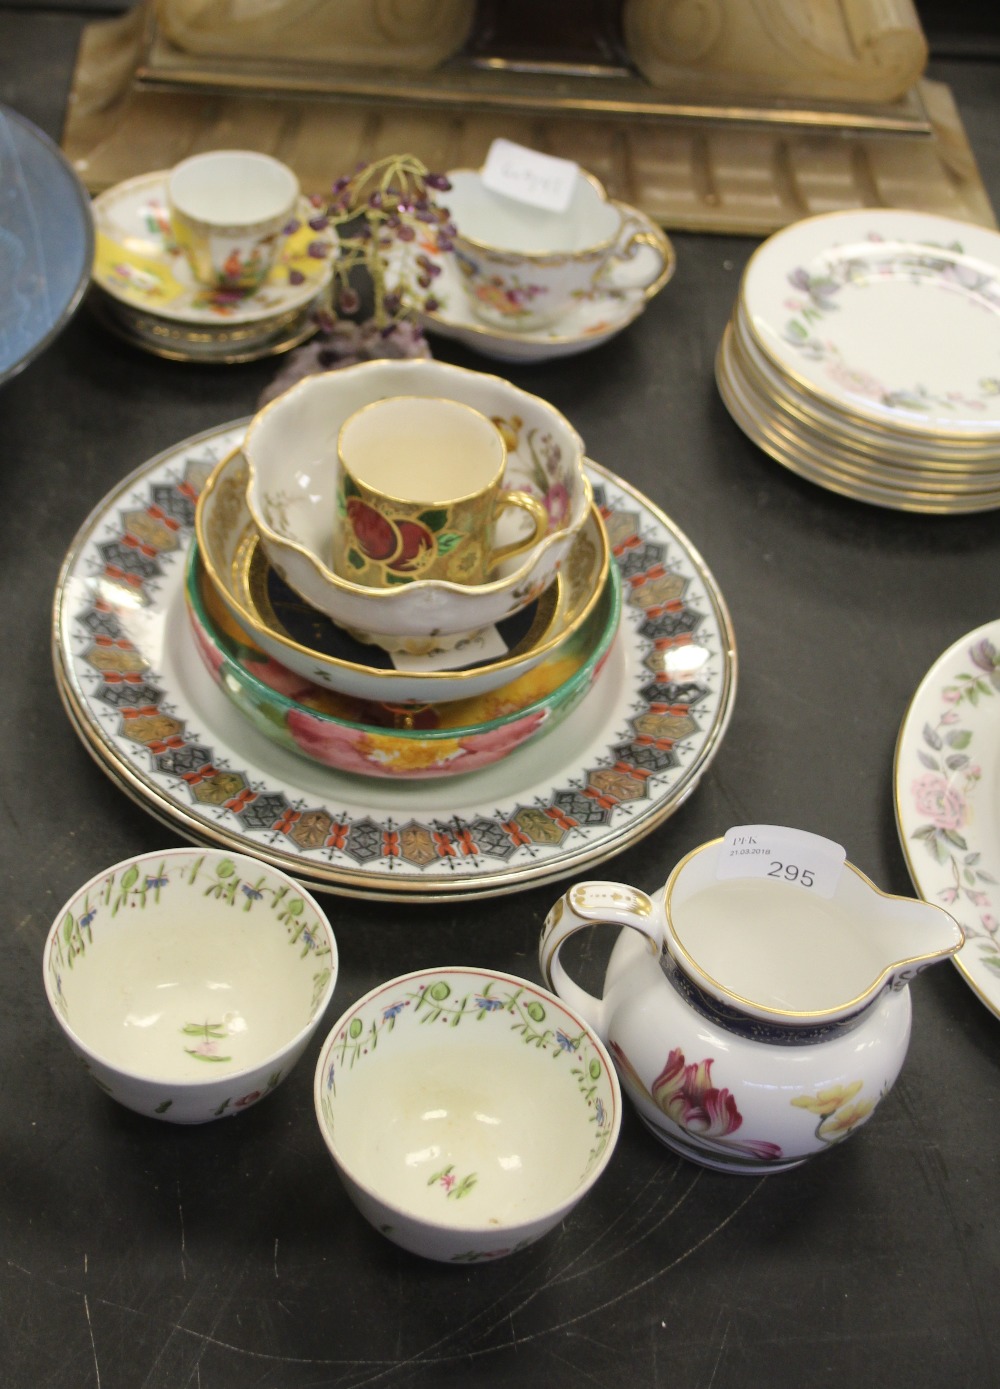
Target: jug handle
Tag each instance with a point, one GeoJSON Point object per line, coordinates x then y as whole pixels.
{"type": "Point", "coordinates": [592, 904]}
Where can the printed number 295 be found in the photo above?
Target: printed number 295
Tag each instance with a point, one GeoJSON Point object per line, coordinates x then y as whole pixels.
{"type": "Point", "coordinates": [791, 873]}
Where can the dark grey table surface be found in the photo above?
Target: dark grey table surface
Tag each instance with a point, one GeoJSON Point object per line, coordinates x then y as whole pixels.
{"type": "Point", "coordinates": [135, 1255]}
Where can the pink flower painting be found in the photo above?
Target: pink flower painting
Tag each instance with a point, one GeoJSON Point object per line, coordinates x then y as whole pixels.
{"type": "Point", "coordinates": [687, 1096]}
{"type": "Point", "coordinates": [937, 798]}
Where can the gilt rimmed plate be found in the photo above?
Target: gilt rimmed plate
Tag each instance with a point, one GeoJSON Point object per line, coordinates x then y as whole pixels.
{"type": "Point", "coordinates": [947, 793]}
{"type": "Point", "coordinates": [844, 471]}
{"type": "Point", "coordinates": [138, 263]}
{"type": "Point", "coordinates": [143, 704]}
{"type": "Point", "coordinates": [917, 452]}
{"type": "Point", "coordinates": [890, 316]}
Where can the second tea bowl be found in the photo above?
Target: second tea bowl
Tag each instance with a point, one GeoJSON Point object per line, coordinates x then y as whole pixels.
{"type": "Point", "coordinates": [291, 451]}
{"type": "Point", "coordinates": [189, 981]}
{"type": "Point", "coordinates": [467, 1111]}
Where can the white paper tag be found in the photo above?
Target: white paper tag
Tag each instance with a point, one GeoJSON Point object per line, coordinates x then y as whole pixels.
{"type": "Point", "coordinates": [783, 855]}
{"type": "Point", "coordinates": [487, 645]}
{"type": "Point", "coordinates": [529, 176]}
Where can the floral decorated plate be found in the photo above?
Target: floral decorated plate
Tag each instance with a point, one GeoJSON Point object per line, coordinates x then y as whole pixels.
{"type": "Point", "coordinates": [922, 454]}
{"type": "Point", "coordinates": [46, 242]}
{"type": "Point", "coordinates": [138, 264]}
{"type": "Point", "coordinates": [890, 316]}
{"type": "Point", "coordinates": [138, 695]}
{"type": "Point", "coordinates": [947, 780]}
{"type": "Point", "coordinates": [591, 321]}
{"type": "Point", "coordinates": [816, 456]}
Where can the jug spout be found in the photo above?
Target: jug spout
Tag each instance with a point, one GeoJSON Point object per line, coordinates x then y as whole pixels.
{"type": "Point", "coordinates": [793, 953]}
{"type": "Point", "coordinates": [910, 935]}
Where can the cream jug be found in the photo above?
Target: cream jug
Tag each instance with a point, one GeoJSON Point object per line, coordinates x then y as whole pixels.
{"type": "Point", "coordinates": [758, 1008]}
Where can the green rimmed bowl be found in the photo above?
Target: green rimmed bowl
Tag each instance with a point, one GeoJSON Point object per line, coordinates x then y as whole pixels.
{"type": "Point", "coordinates": [394, 741]}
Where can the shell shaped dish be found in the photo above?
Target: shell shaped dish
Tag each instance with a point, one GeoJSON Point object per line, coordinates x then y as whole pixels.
{"type": "Point", "coordinates": [291, 450]}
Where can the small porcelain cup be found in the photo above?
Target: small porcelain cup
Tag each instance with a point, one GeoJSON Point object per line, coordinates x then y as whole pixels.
{"type": "Point", "coordinates": [228, 210]}
{"type": "Point", "coordinates": [419, 493]}
{"type": "Point", "coordinates": [523, 267]}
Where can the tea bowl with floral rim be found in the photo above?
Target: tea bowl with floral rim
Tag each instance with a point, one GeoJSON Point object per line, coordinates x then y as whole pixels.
{"type": "Point", "coordinates": [189, 981]}
{"type": "Point", "coordinates": [398, 742]}
{"type": "Point", "coordinates": [467, 1111]}
{"type": "Point", "coordinates": [291, 452]}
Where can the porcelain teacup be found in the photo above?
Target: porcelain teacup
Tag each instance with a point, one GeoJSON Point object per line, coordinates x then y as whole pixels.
{"type": "Point", "coordinates": [419, 492]}
{"type": "Point", "coordinates": [228, 210]}
{"type": "Point", "coordinates": [523, 267]}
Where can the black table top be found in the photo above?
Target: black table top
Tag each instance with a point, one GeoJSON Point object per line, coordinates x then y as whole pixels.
{"type": "Point", "coordinates": [134, 1253]}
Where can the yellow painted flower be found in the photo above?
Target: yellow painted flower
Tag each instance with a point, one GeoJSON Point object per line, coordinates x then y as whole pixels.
{"type": "Point", "coordinates": [402, 755]}
{"type": "Point", "coordinates": [840, 1124]}
{"type": "Point", "coordinates": [827, 1101]}
{"type": "Point", "coordinates": [509, 429]}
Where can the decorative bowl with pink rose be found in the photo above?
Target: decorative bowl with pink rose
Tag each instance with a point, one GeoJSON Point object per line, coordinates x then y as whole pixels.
{"type": "Point", "coordinates": [410, 741]}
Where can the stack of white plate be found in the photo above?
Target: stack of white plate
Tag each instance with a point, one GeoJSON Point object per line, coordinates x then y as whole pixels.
{"type": "Point", "coordinates": [863, 353]}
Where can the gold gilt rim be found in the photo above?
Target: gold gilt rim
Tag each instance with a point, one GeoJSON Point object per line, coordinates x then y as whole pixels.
{"type": "Point", "coordinates": [249, 572]}
{"type": "Point", "coordinates": [910, 453]}
{"type": "Point", "coordinates": [789, 455]}
{"type": "Point", "coordinates": [800, 382]}
{"type": "Point", "coordinates": [826, 455]}
{"type": "Point", "coordinates": [365, 484]}
{"type": "Point", "coordinates": [543, 257]}
{"type": "Point", "coordinates": [877, 470]}
{"type": "Point", "coordinates": [196, 579]}
{"type": "Point", "coordinates": [245, 612]}
{"type": "Point", "coordinates": [873, 483]}
{"type": "Point", "coordinates": [215, 352]}
{"type": "Point", "coordinates": [804, 1015]}
{"type": "Point", "coordinates": [833, 481]}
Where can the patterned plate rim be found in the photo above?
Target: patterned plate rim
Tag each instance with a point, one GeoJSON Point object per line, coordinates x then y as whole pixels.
{"type": "Point", "coordinates": [140, 531]}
